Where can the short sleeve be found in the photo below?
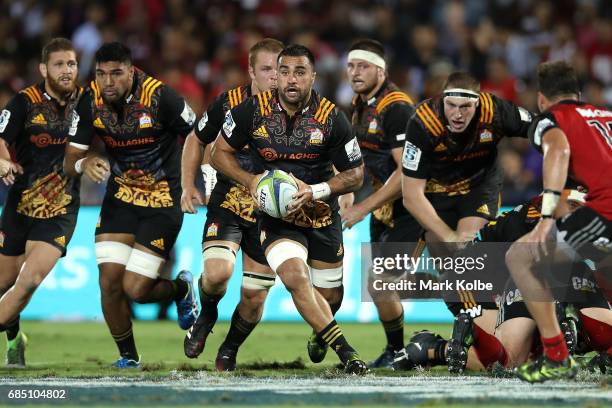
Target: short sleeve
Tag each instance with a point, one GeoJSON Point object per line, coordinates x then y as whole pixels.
{"type": "Point", "coordinates": [237, 125]}
{"type": "Point", "coordinates": [417, 154]}
{"type": "Point", "coordinates": [81, 129]}
{"type": "Point", "coordinates": [539, 126]}
{"type": "Point", "coordinates": [394, 123]}
{"type": "Point", "coordinates": [177, 115]}
{"type": "Point", "coordinates": [12, 118]}
{"type": "Point", "coordinates": [210, 123]}
{"type": "Point", "coordinates": [515, 120]}
{"type": "Point", "coordinates": [344, 148]}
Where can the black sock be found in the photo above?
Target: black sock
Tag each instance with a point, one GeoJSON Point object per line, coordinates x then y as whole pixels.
{"type": "Point", "coordinates": [394, 330]}
{"type": "Point", "coordinates": [238, 332]}
{"type": "Point", "coordinates": [333, 336]}
{"type": "Point", "coordinates": [126, 345]}
{"type": "Point", "coordinates": [12, 329]}
{"type": "Point", "coordinates": [209, 313]}
{"type": "Point", "coordinates": [180, 289]}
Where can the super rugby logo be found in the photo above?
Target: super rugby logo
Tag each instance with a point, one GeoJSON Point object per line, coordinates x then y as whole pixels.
{"type": "Point", "coordinates": [229, 124]}
{"type": "Point", "coordinates": [44, 139]}
{"type": "Point", "coordinates": [4, 119]}
{"type": "Point", "coordinates": [202, 123]}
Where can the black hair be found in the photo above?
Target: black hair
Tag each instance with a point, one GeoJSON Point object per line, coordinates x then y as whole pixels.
{"type": "Point", "coordinates": [297, 50]}
{"type": "Point", "coordinates": [557, 78]}
{"type": "Point", "coordinates": [114, 51]}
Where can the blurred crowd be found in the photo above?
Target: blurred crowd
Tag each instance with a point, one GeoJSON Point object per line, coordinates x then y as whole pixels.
{"type": "Point", "coordinates": [199, 47]}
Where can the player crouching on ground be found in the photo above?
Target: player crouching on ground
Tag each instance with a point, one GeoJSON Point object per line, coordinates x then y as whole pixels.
{"type": "Point", "coordinates": [515, 329]}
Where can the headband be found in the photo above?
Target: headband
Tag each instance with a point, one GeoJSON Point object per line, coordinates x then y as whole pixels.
{"type": "Point", "coordinates": [368, 56]}
{"type": "Point", "coordinates": [575, 195]}
{"type": "Point", "coordinates": [461, 93]}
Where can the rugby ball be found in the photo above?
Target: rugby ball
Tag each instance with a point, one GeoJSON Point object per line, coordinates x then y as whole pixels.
{"type": "Point", "coordinates": [275, 191]}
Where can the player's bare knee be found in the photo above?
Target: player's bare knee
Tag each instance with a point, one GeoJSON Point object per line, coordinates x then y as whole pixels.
{"type": "Point", "coordinates": [517, 258]}
{"type": "Point", "coordinates": [252, 303]}
{"type": "Point", "coordinates": [294, 274]}
{"type": "Point", "coordinates": [137, 286]}
{"type": "Point", "coordinates": [218, 265]}
{"type": "Point", "coordinates": [253, 297]}
{"type": "Point", "coordinates": [217, 272]}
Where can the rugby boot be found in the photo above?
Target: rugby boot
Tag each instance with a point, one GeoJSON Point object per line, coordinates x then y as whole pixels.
{"type": "Point", "coordinates": [187, 307]}
{"type": "Point", "coordinates": [603, 361]}
{"type": "Point", "coordinates": [355, 365]}
{"type": "Point", "coordinates": [15, 351]}
{"type": "Point", "coordinates": [568, 322]}
{"type": "Point", "coordinates": [544, 369]}
{"type": "Point", "coordinates": [316, 351]}
{"type": "Point", "coordinates": [126, 363]}
{"type": "Point", "coordinates": [195, 339]}
{"type": "Point", "coordinates": [416, 352]}
{"type": "Point", "coordinates": [459, 343]}
{"type": "Point", "coordinates": [385, 360]}
{"type": "Point", "coordinates": [226, 359]}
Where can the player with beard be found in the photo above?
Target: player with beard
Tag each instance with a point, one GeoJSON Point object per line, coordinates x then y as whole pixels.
{"type": "Point", "coordinates": [41, 208]}
{"type": "Point", "coordinates": [452, 180]}
{"type": "Point", "coordinates": [380, 112]}
{"type": "Point", "coordinates": [296, 130]}
{"type": "Point", "coordinates": [231, 220]}
{"type": "Point", "coordinates": [139, 120]}
{"type": "Point", "coordinates": [576, 140]}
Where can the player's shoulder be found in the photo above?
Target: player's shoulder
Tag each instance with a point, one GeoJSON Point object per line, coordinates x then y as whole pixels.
{"type": "Point", "coordinates": [583, 109]}
{"type": "Point", "coordinates": [149, 86]}
{"type": "Point", "coordinates": [392, 96]}
{"type": "Point", "coordinates": [429, 116]}
{"type": "Point", "coordinates": [94, 92]}
{"type": "Point", "coordinates": [234, 96]}
{"type": "Point", "coordinates": [261, 102]}
{"type": "Point", "coordinates": [31, 94]}
{"type": "Point", "coordinates": [324, 109]}
{"type": "Point", "coordinates": [489, 106]}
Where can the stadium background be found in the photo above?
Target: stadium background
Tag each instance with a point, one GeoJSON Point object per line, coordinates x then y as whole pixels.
{"type": "Point", "coordinates": [200, 48]}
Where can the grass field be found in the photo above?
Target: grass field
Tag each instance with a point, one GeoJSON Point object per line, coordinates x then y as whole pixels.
{"type": "Point", "coordinates": [273, 370]}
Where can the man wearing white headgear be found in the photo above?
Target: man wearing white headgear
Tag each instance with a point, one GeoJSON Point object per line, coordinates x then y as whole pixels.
{"type": "Point", "coordinates": [380, 112]}
{"type": "Point", "coordinates": [452, 181]}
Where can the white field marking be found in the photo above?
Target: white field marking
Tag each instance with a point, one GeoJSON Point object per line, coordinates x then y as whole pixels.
{"type": "Point", "coordinates": [420, 387]}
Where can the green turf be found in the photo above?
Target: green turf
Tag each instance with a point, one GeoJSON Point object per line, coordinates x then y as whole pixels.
{"type": "Point", "coordinates": [86, 349]}
{"type": "Point", "coordinates": [273, 371]}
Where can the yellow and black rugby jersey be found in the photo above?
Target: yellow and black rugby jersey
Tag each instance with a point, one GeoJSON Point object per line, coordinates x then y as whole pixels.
{"type": "Point", "coordinates": [209, 126]}
{"type": "Point", "coordinates": [379, 124]}
{"type": "Point", "coordinates": [307, 144]}
{"type": "Point", "coordinates": [513, 224]}
{"type": "Point", "coordinates": [38, 125]}
{"type": "Point", "coordinates": [140, 136]}
{"type": "Point", "coordinates": [455, 162]}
